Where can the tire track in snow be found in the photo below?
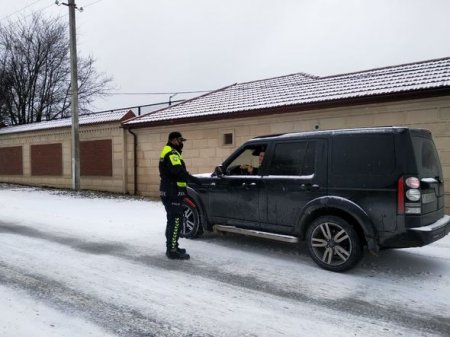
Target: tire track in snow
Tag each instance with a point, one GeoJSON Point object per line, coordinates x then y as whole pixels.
{"type": "Point", "coordinates": [421, 321]}
{"type": "Point", "coordinates": [120, 320]}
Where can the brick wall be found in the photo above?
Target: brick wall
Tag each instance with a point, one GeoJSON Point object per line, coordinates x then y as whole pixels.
{"type": "Point", "coordinates": [46, 160]}
{"type": "Point", "coordinates": [11, 162]}
{"type": "Point", "coordinates": [96, 158]}
{"type": "Point", "coordinates": [108, 138]}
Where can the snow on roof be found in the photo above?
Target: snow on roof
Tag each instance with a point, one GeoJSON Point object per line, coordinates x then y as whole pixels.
{"type": "Point", "coordinates": [88, 119]}
{"type": "Point", "coordinates": [297, 89]}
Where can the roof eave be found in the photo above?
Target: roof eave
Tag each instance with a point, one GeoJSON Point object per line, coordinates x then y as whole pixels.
{"type": "Point", "coordinates": [61, 127]}
{"type": "Point", "coordinates": [399, 96]}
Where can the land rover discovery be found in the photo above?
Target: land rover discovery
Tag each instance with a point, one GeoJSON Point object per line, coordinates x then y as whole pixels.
{"type": "Point", "coordinates": [339, 190]}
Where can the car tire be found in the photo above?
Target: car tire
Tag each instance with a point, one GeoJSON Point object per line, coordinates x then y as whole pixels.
{"type": "Point", "coordinates": [333, 243]}
{"type": "Point", "coordinates": [191, 227]}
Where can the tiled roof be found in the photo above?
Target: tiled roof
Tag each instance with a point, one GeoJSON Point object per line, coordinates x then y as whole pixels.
{"type": "Point", "coordinates": [297, 89]}
{"type": "Point", "coordinates": [94, 118]}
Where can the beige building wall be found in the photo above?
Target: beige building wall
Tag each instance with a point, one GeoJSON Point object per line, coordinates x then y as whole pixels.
{"type": "Point", "coordinates": [113, 131]}
{"type": "Point", "coordinates": [204, 149]}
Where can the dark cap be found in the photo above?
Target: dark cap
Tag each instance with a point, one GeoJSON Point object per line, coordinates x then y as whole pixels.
{"type": "Point", "coordinates": [176, 135]}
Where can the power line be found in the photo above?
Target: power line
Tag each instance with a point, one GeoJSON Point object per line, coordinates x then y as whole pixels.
{"type": "Point", "coordinates": [37, 11]}
{"type": "Point", "coordinates": [92, 3]}
{"type": "Point", "coordinates": [229, 88]}
{"type": "Point", "coordinates": [20, 10]}
{"type": "Point", "coordinates": [158, 93]}
{"type": "Point", "coordinates": [41, 9]}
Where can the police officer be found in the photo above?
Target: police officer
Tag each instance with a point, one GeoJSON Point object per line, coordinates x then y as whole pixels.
{"type": "Point", "coordinates": [174, 177]}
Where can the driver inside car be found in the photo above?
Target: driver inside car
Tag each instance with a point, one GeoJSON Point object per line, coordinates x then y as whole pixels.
{"type": "Point", "coordinates": [249, 169]}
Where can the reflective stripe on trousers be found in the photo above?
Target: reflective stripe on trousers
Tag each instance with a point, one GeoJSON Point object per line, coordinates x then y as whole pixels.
{"type": "Point", "coordinates": [174, 210]}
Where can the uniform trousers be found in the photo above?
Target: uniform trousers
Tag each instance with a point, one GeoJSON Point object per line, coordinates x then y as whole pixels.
{"type": "Point", "coordinates": [174, 210]}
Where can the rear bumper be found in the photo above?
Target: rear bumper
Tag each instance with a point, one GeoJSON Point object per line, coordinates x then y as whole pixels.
{"type": "Point", "coordinates": [420, 236]}
{"type": "Point", "coordinates": [431, 233]}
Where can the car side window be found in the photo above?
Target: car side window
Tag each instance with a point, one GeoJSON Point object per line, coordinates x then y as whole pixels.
{"type": "Point", "coordinates": [248, 161]}
{"type": "Point", "coordinates": [293, 159]}
{"type": "Point", "coordinates": [363, 154]}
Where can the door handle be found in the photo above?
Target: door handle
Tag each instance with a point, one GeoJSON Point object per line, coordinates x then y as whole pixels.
{"type": "Point", "coordinates": [309, 187]}
{"type": "Point", "coordinates": [248, 185]}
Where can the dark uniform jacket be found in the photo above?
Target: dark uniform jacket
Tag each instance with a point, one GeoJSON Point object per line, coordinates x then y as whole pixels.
{"type": "Point", "coordinates": [173, 173]}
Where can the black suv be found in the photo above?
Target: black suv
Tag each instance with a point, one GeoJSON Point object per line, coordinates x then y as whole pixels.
{"type": "Point", "coordinates": [339, 190]}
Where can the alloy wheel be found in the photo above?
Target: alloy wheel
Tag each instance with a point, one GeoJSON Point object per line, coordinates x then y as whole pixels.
{"type": "Point", "coordinates": [331, 243]}
{"type": "Point", "coordinates": [188, 221]}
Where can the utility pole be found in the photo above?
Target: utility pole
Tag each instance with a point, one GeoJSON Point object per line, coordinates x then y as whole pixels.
{"type": "Point", "coordinates": [74, 95]}
{"type": "Point", "coordinates": [74, 102]}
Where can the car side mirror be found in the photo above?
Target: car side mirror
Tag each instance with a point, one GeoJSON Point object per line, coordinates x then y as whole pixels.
{"type": "Point", "coordinates": [218, 171]}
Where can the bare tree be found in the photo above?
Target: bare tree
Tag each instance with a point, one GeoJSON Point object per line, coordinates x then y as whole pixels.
{"type": "Point", "coordinates": [35, 72]}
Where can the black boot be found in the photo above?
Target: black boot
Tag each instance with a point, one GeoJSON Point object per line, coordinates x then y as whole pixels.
{"type": "Point", "coordinates": [175, 254]}
{"type": "Point", "coordinates": [179, 250]}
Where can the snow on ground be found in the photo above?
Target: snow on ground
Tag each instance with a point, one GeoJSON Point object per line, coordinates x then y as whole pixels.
{"type": "Point", "coordinates": [73, 264]}
{"type": "Point", "coordinates": [22, 315]}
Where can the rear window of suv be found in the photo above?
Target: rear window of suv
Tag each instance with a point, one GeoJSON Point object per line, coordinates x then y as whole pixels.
{"type": "Point", "coordinates": [427, 157]}
{"type": "Point", "coordinates": [363, 154]}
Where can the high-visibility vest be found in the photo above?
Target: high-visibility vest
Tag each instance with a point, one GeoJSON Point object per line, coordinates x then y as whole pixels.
{"type": "Point", "coordinates": [172, 168]}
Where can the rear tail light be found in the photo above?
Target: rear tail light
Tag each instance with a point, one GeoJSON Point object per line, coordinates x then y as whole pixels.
{"type": "Point", "coordinates": [408, 195]}
{"type": "Point", "coordinates": [400, 196]}
{"type": "Point", "coordinates": [413, 194]}
{"type": "Point", "coordinates": [412, 182]}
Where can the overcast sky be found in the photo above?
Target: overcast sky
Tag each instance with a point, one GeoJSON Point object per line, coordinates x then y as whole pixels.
{"type": "Point", "coordinates": [192, 45]}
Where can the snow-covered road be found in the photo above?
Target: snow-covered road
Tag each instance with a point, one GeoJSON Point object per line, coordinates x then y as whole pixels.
{"type": "Point", "coordinates": [74, 264]}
